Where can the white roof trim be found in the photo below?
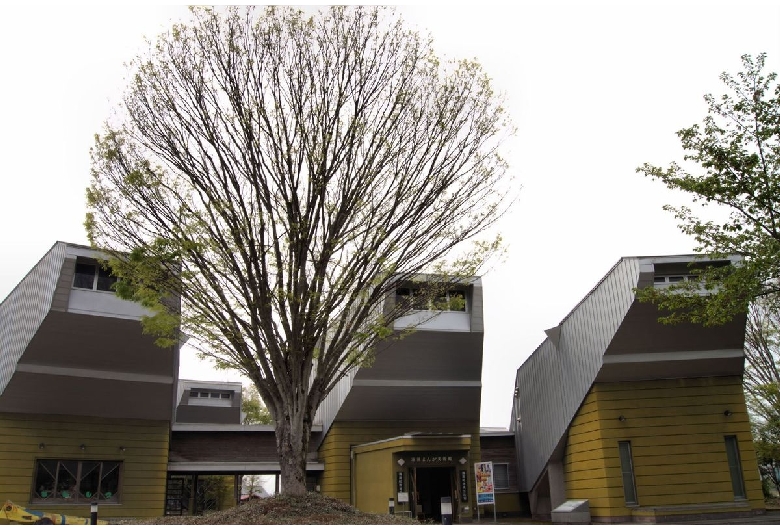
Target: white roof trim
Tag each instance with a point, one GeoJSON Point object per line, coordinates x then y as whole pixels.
{"type": "Point", "coordinates": [671, 356]}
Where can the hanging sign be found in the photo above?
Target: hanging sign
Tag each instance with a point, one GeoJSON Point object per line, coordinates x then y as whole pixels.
{"type": "Point", "coordinates": [464, 485]}
{"type": "Point", "coordinates": [484, 479]}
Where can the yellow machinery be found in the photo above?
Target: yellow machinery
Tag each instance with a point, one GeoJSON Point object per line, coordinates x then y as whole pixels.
{"type": "Point", "coordinates": [17, 514]}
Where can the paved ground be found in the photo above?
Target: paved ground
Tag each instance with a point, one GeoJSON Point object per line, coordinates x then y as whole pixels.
{"type": "Point", "coordinates": [771, 517]}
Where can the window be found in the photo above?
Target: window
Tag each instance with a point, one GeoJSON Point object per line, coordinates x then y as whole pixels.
{"type": "Point", "coordinates": [627, 469]}
{"type": "Point", "coordinates": [76, 481]}
{"type": "Point", "coordinates": [501, 476]}
{"type": "Point", "coordinates": [210, 395]}
{"type": "Point", "coordinates": [735, 468]}
{"type": "Point", "coordinates": [452, 300]}
{"type": "Point", "coordinates": [93, 276]}
{"type": "Point", "coordinates": [664, 280]}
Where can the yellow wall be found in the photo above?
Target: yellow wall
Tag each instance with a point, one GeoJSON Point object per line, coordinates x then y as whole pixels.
{"type": "Point", "coordinates": [334, 451]}
{"type": "Point", "coordinates": [375, 480]}
{"type": "Point", "coordinates": [144, 470]}
{"type": "Point", "coordinates": [508, 503]}
{"type": "Point", "coordinates": [376, 465]}
{"type": "Point", "coordinates": [676, 429]}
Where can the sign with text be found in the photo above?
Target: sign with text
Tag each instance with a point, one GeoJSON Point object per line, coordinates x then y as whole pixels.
{"type": "Point", "coordinates": [400, 481]}
{"type": "Point", "coordinates": [483, 472]}
{"type": "Point", "coordinates": [464, 485]}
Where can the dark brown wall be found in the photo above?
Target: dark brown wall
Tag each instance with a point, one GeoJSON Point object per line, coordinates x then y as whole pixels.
{"type": "Point", "coordinates": [641, 332]}
{"type": "Point", "coordinates": [206, 414]}
{"type": "Point", "coordinates": [501, 450]}
{"type": "Point", "coordinates": [223, 446]}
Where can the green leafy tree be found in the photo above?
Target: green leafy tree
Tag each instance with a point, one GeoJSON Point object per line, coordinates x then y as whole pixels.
{"type": "Point", "coordinates": [737, 148]}
{"type": "Point", "coordinates": [283, 175]}
{"type": "Point", "coordinates": [256, 413]}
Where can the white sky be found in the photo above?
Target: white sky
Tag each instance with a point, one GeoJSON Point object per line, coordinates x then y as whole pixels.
{"type": "Point", "coordinates": [594, 88]}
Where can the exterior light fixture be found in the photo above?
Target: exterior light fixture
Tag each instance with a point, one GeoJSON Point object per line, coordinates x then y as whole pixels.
{"type": "Point", "coordinates": [621, 418]}
{"type": "Point", "coordinates": [41, 445]}
{"type": "Point", "coordinates": [122, 448]}
{"type": "Point", "coordinates": [727, 413]}
{"type": "Point", "coordinates": [517, 391]}
{"type": "Point", "coordinates": [401, 462]}
{"type": "Point", "coordinates": [83, 447]}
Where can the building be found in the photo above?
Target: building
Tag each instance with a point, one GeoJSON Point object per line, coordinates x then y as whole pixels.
{"type": "Point", "coordinates": [647, 422]}
{"type": "Point", "coordinates": [407, 427]}
{"type": "Point", "coordinates": [86, 399]}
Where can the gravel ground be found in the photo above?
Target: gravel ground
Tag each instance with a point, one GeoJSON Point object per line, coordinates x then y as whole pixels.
{"type": "Point", "coordinates": [311, 508]}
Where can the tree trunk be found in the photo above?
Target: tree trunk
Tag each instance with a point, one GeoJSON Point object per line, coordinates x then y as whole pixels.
{"type": "Point", "coordinates": [292, 444]}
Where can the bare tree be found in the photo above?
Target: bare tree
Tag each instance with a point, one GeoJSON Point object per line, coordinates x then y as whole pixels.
{"type": "Point", "coordinates": [283, 175]}
{"type": "Point", "coordinates": [762, 386]}
{"type": "Point", "coordinates": [762, 353]}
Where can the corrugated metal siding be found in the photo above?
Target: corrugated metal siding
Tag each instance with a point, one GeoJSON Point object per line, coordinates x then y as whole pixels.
{"type": "Point", "coordinates": [330, 406]}
{"type": "Point", "coordinates": [553, 382]}
{"type": "Point", "coordinates": [22, 312]}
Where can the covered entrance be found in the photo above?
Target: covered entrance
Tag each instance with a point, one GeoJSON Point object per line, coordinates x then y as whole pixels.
{"type": "Point", "coordinates": [414, 472]}
{"type": "Point", "coordinates": [429, 485]}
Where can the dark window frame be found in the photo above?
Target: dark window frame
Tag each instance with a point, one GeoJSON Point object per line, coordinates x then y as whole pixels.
{"type": "Point", "coordinates": [102, 279]}
{"type": "Point", "coordinates": [735, 467]}
{"type": "Point", "coordinates": [627, 475]}
{"type": "Point", "coordinates": [67, 483]}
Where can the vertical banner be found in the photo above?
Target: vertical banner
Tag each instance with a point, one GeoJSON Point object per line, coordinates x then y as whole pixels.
{"type": "Point", "coordinates": [464, 485]}
{"type": "Point", "coordinates": [484, 479]}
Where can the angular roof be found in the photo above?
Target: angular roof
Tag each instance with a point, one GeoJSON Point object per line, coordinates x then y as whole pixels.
{"type": "Point", "coordinates": [609, 336]}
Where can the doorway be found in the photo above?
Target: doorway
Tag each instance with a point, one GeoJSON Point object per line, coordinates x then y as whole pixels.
{"type": "Point", "coordinates": [429, 485]}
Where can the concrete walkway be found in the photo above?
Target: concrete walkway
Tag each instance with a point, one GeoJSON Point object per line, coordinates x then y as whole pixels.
{"type": "Point", "coordinates": [771, 517]}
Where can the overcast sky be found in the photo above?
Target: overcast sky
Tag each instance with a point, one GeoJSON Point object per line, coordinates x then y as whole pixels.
{"type": "Point", "coordinates": [594, 88]}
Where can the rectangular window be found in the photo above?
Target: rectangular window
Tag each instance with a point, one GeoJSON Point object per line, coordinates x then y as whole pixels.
{"type": "Point", "coordinates": [627, 470]}
{"type": "Point", "coordinates": [93, 276]}
{"type": "Point", "coordinates": [85, 276]}
{"type": "Point", "coordinates": [501, 476]}
{"type": "Point", "coordinates": [735, 468]}
{"type": "Point", "coordinates": [76, 481]}
{"type": "Point", "coordinates": [452, 300]}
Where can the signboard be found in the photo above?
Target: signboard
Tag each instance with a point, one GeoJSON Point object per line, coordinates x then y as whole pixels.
{"type": "Point", "coordinates": [483, 472]}
{"type": "Point", "coordinates": [464, 485]}
{"type": "Point", "coordinates": [399, 481]}
{"type": "Point", "coordinates": [403, 496]}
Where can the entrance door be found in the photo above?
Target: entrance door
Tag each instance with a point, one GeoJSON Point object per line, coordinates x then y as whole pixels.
{"type": "Point", "coordinates": [432, 483]}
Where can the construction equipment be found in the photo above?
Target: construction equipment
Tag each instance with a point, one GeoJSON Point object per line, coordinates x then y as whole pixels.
{"type": "Point", "coordinates": [18, 514]}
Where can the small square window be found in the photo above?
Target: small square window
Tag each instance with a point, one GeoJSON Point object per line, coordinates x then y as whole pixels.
{"type": "Point", "coordinates": [85, 276]}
